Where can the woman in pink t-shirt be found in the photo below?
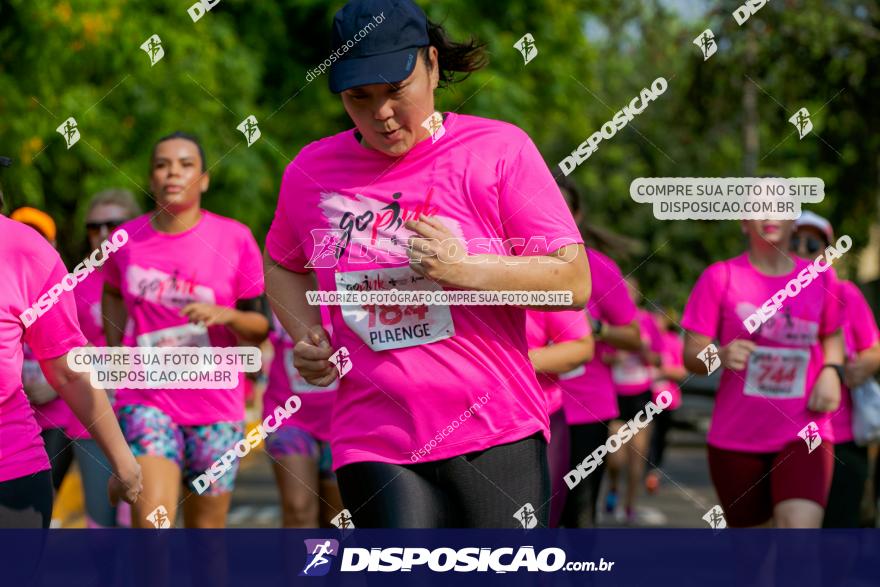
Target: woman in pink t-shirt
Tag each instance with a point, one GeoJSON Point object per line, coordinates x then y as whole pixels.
{"type": "Point", "coordinates": [300, 448]}
{"type": "Point", "coordinates": [440, 421]}
{"type": "Point", "coordinates": [670, 373]}
{"type": "Point", "coordinates": [185, 278]}
{"type": "Point", "coordinates": [559, 342]}
{"type": "Point", "coordinates": [588, 392]}
{"type": "Point", "coordinates": [632, 373]}
{"type": "Point", "coordinates": [862, 341]}
{"type": "Point", "coordinates": [106, 211]}
{"type": "Point", "coordinates": [31, 270]}
{"type": "Point", "coordinates": [780, 382]}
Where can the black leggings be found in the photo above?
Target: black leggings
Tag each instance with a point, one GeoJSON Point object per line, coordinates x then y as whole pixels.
{"type": "Point", "coordinates": [60, 450]}
{"type": "Point", "coordinates": [26, 502]}
{"type": "Point", "coordinates": [662, 424]}
{"type": "Point", "coordinates": [844, 507]}
{"type": "Point", "coordinates": [580, 508]}
{"type": "Point", "coordinates": [482, 489]}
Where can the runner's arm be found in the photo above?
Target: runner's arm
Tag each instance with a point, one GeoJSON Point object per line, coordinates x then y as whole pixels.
{"type": "Point", "coordinates": [625, 338]}
{"type": "Point", "coordinates": [862, 366]}
{"type": "Point", "coordinates": [693, 344]}
{"type": "Point", "coordinates": [92, 408]}
{"type": "Point", "coordinates": [114, 314]}
{"type": "Point", "coordinates": [286, 291]}
{"type": "Point", "coordinates": [562, 357]}
{"type": "Point", "coordinates": [825, 395]}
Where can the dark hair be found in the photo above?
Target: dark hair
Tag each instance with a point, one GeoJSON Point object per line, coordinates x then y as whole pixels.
{"type": "Point", "coordinates": [454, 57]}
{"type": "Point", "coordinates": [4, 162]}
{"type": "Point", "coordinates": [603, 240]}
{"type": "Point", "coordinates": [187, 137]}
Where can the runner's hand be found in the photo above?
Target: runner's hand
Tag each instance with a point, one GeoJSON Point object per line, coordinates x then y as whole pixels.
{"type": "Point", "coordinates": [126, 485]}
{"type": "Point", "coordinates": [208, 314]}
{"type": "Point", "coordinates": [735, 355]}
{"type": "Point", "coordinates": [825, 396]}
{"type": "Point", "coordinates": [310, 358]}
{"type": "Point", "coordinates": [435, 252]}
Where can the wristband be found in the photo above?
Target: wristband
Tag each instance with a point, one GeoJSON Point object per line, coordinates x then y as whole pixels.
{"type": "Point", "coordinates": [838, 369]}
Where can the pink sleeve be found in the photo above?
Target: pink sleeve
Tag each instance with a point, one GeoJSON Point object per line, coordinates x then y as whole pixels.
{"type": "Point", "coordinates": [57, 331]}
{"type": "Point", "coordinates": [649, 328]}
{"type": "Point", "coordinates": [860, 317]}
{"type": "Point", "coordinates": [531, 205]}
{"type": "Point", "coordinates": [283, 242]}
{"type": "Point", "coordinates": [566, 325]}
{"type": "Point", "coordinates": [249, 274]}
{"type": "Point", "coordinates": [673, 350]}
{"type": "Point", "coordinates": [702, 314]}
{"type": "Point", "coordinates": [609, 291]}
{"type": "Point", "coordinates": [832, 303]}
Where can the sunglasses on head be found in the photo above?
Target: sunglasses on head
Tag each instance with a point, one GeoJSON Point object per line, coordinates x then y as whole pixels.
{"type": "Point", "coordinates": [813, 244]}
{"type": "Point", "coordinates": [108, 224]}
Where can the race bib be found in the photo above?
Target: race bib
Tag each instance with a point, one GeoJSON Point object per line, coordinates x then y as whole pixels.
{"type": "Point", "coordinates": [176, 336]}
{"type": "Point", "coordinates": [630, 371]}
{"type": "Point", "coordinates": [777, 372]}
{"type": "Point", "coordinates": [385, 328]}
{"type": "Point", "coordinates": [298, 384]}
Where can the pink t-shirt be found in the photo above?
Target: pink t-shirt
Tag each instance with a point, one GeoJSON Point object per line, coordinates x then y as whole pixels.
{"type": "Point", "coordinates": [589, 391]}
{"type": "Point", "coordinates": [859, 333]}
{"type": "Point", "coordinates": [31, 267]}
{"type": "Point", "coordinates": [633, 375]}
{"type": "Point", "coordinates": [764, 407]}
{"type": "Point", "coordinates": [218, 262]}
{"type": "Point", "coordinates": [545, 328]}
{"type": "Point", "coordinates": [415, 370]}
{"type": "Point", "coordinates": [672, 355]}
{"type": "Point", "coordinates": [314, 415]}
{"type": "Point", "coordinates": [52, 414]}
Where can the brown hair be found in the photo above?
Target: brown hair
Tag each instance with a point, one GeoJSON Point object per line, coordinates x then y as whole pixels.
{"type": "Point", "coordinates": [454, 57]}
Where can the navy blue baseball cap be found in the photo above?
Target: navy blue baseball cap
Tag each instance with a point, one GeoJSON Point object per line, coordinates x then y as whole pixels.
{"type": "Point", "coordinates": [388, 49]}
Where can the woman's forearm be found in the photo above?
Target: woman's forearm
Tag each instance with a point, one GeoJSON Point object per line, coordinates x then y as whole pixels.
{"type": "Point", "coordinates": [565, 270]}
{"type": "Point", "coordinates": [251, 327]}
{"type": "Point", "coordinates": [562, 357]}
{"type": "Point", "coordinates": [91, 407]}
{"type": "Point", "coordinates": [286, 291]}
{"type": "Point", "coordinates": [625, 338]}
{"type": "Point", "coordinates": [832, 347]}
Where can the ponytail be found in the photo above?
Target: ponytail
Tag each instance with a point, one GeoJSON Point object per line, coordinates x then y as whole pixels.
{"type": "Point", "coordinates": [454, 57]}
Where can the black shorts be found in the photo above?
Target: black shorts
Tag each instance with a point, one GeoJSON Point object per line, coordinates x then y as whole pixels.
{"type": "Point", "coordinates": [630, 405]}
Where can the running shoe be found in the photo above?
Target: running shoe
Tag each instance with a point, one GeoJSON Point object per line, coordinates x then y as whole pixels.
{"type": "Point", "coordinates": [610, 502]}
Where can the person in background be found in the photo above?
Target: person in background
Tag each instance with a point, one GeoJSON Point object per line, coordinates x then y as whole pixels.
{"type": "Point", "coordinates": [668, 376]}
{"type": "Point", "coordinates": [812, 235]}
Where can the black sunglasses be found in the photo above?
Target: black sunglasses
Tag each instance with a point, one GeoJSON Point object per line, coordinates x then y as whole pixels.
{"type": "Point", "coordinates": [814, 245]}
{"type": "Point", "coordinates": [109, 224]}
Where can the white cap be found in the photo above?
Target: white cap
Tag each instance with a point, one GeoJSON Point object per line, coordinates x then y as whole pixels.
{"type": "Point", "coordinates": [808, 218]}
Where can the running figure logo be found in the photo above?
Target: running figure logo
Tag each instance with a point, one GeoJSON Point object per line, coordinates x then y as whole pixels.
{"type": "Point", "coordinates": [810, 434]}
{"type": "Point", "coordinates": [343, 520]}
{"type": "Point", "coordinates": [341, 359]}
{"type": "Point", "coordinates": [327, 248]}
{"type": "Point", "coordinates": [249, 129]}
{"type": "Point", "coordinates": [319, 554]}
{"type": "Point", "coordinates": [706, 43]}
{"type": "Point", "coordinates": [69, 131]}
{"type": "Point", "coordinates": [159, 518]}
{"type": "Point", "coordinates": [153, 48]}
{"type": "Point", "coordinates": [434, 124]}
{"type": "Point", "coordinates": [526, 516]}
{"type": "Point", "coordinates": [526, 46]}
{"type": "Point", "coordinates": [715, 518]}
{"type": "Point", "coordinates": [801, 121]}
{"type": "Point", "coordinates": [710, 358]}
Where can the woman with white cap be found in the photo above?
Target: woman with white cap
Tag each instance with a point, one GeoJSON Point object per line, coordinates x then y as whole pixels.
{"type": "Point", "coordinates": [812, 235]}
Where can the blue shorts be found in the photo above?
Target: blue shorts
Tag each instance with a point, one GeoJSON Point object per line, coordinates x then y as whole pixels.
{"type": "Point", "coordinates": [290, 440]}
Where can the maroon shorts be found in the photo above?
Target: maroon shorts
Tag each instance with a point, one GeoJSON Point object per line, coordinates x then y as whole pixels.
{"type": "Point", "coordinates": [749, 485]}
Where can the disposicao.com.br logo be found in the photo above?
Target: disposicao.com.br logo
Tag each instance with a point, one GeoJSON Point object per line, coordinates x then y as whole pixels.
{"type": "Point", "coordinates": [321, 552]}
